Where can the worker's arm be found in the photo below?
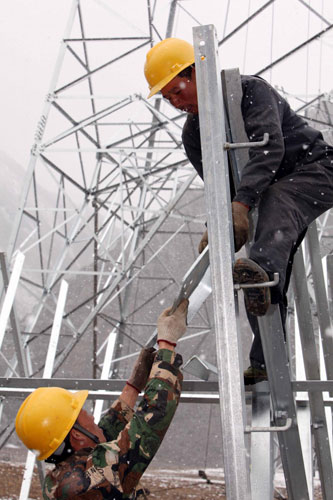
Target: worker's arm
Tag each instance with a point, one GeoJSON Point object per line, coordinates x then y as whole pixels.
{"type": "Point", "coordinates": [132, 452]}
{"type": "Point", "coordinates": [117, 465]}
{"type": "Point", "coordinates": [121, 411]}
{"type": "Point", "coordinates": [262, 110]}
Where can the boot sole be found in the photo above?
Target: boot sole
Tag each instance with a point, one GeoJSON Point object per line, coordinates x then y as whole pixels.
{"type": "Point", "coordinates": [257, 300]}
{"type": "Point", "coordinates": [254, 380]}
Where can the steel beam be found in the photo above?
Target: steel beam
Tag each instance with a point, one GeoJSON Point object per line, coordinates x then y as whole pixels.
{"type": "Point", "coordinates": [215, 167]}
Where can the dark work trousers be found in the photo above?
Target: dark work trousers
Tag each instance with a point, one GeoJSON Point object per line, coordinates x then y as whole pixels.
{"type": "Point", "coordinates": [285, 210]}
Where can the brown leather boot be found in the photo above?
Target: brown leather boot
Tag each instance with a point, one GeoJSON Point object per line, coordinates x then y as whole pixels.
{"type": "Point", "coordinates": [254, 375]}
{"type": "Point", "coordinates": [257, 300]}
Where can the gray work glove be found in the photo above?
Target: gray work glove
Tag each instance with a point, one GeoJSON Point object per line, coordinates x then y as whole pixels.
{"type": "Point", "coordinates": [240, 222]}
{"type": "Point", "coordinates": [171, 327]}
{"type": "Point", "coordinates": [203, 242]}
{"type": "Point", "coordinates": [142, 367]}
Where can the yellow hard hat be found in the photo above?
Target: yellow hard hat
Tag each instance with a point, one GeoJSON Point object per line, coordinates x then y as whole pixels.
{"type": "Point", "coordinates": [165, 60]}
{"type": "Point", "coordinates": [45, 418]}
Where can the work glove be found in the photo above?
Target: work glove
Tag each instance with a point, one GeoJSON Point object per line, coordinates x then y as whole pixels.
{"type": "Point", "coordinates": [142, 367]}
{"type": "Point", "coordinates": [240, 222]}
{"type": "Point", "coordinates": [203, 242]}
{"type": "Point", "coordinates": [170, 327]}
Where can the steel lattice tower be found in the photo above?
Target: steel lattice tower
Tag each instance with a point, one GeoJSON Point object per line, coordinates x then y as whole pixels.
{"type": "Point", "coordinates": [111, 211]}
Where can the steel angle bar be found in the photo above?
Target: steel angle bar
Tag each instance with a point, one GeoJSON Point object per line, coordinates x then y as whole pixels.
{"type": "Point", "coordinates": [10, 295]}
{"type": "Point", "coordinates": [99, 68]}
{"type": "Point", "coordinates": [104, 39]}
{"type": "Point", "coordinates": [153, 128]}
{"type": "Point", "coordinates": [329, 270]}
{"type": "Point", "coordinates": [10, 385]}
{"type": "Point", "coordinates": [303, 411]}
{"type": "Point", "coordinates": [311, 366]}
{"type": "Point", "coordinates": [232, 92]}
{"type": "Point", "coordinates": [192, 278]}
{"type": "Point", "coordinates": [261, 444]}
{"type": "Point", "coordinates": [285, 56]}
{"type": "Point", "coordinates": [111, 343]}
{"type": "Point", "coordinates": [48, 370]}
{"type": "Point", "coordinates": [54, 337]}
{"type": "Point", "coordinates": [110, 348]}
{"type": "Point", "coordinates": [312, 385]}
{"type": "Point", "coordinates": [314, 12]}
{"type": "Point", "coordinates": [249, 18]}
{"type": "Point", "coordinates": [40, 131]}
{"type": "Point", "coordinates": [325, 323]}
{"type": "Point", "coordinates": [86, 122]}
{"type": "Point", "coordinates": [277, 366]}
{"type": "Point", "coordinates": [261, 451]}
{"type": "Point", "coordinates": [27, 476]}
{"type": "Point", "coordinates": [115, 283]}
{"type": "Point", "coordinates": [22, 363]}
{"type": "Point", "coordinates": [212, 132]}
{"type": "Point", "coordinates": [195, 286]}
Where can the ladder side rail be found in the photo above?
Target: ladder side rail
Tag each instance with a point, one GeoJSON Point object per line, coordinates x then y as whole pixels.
{"type": "Point", "coordinates": [262, 446]}
{"type": "Point", "coordinates": [283, 401]}
{"type": "Point", "coordinates": [212, 132]}
{"type": "Point", "coordinates": [311, 365]}
{"type": "Point", "coordinates": [280, 401]}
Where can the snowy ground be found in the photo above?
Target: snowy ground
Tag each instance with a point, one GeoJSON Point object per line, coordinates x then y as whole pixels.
{"type": "Point", "coordinates": [163, 484]}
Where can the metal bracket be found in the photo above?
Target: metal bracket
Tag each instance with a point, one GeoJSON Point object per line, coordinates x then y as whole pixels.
{"type": "Point", "coordinates": [266, 284]}
{"type": "Point", "coordinates": [200, 368]}
{"type": "Point", "coordinates": [239, 145]}
{"type": "Point", "coordinates": [279, 428]}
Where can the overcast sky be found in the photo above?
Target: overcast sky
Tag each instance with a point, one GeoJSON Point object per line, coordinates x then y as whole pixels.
{"type": "Point", "coordinates": [31, 31]}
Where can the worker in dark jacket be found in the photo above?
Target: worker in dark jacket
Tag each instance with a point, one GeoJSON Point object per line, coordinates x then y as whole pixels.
{"type": "Point", "coordinates": [290, 180]}
{"type": "Point", "coordinates": [106, 461]}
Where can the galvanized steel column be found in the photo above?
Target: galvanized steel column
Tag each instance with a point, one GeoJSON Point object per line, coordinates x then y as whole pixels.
{"type": "Point", "coordinates": [215, 167]}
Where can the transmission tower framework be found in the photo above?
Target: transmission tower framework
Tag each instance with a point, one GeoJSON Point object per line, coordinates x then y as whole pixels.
{"type": "Point", "coordinates": [108, 191]}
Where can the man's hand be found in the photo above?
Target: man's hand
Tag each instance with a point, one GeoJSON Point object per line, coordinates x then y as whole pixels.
{"type": "Point", "coordinates": [240, 222]}
{"type": "Point", "coordinates": [204, 242]}
{"type": "Point", "coordinates": [171, 327]}
{"type": "Point", "coordinates": [142, 367]}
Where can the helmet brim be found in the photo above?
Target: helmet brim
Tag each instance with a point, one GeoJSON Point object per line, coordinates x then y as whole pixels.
{"type": "Point", "coordinates": [162, 83]}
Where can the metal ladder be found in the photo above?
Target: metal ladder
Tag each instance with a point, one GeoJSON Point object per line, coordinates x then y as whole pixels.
{"type": "Point", "coordinates": [274, 403]}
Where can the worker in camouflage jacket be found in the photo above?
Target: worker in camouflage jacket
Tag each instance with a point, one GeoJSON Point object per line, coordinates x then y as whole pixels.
{"type": "Point", "coordinates": [289, 180]}
{"type": "Point", "coordinates": [106, 461]}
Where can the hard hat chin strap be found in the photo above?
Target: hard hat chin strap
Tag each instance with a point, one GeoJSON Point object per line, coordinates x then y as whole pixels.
{"type": "Point", "coordinates": [84, 431]}
{"type": "Point", "coordinates": [65, 449]}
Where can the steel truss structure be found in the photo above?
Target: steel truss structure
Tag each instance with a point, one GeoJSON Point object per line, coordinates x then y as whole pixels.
{"type": "Point", "coordinates": [110, 214]}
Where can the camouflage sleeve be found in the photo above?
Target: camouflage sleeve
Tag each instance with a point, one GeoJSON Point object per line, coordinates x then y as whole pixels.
{"type": "Point", "coordinates": [114, 421]}
{"type": "Point", "coordinates": [138, 443]}
{"type": "Point", "coordinates": [113, 469]}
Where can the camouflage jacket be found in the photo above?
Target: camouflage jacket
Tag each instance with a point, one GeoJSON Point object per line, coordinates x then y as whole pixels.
{"type": "Point", "coordinates": [113, 469]}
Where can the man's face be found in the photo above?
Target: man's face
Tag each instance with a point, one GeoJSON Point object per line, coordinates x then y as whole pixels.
{"type": "Point", "coordinates": [182, 93]}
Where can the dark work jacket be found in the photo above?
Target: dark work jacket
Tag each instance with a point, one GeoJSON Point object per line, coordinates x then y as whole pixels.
{"type": "Point", "coordinates": [292, 142]}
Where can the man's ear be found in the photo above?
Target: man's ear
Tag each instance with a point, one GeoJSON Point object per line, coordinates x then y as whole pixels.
{"type": "Point", "coordinates": [75, 434]}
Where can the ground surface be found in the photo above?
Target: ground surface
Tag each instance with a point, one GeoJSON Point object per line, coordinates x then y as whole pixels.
{"type": "Point", "coordinates": [163, 485]}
